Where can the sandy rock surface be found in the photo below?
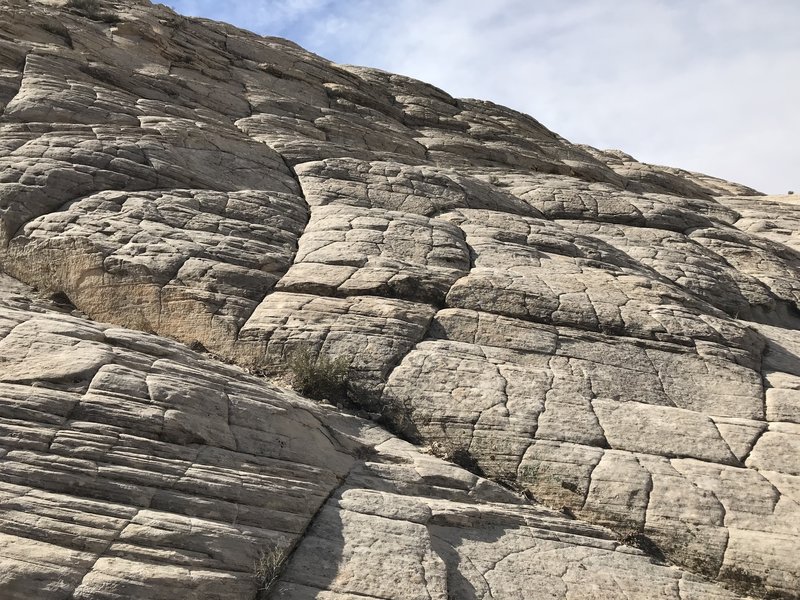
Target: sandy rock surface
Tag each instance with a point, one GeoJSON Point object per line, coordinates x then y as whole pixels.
{"type": "Point", "coordinates": [610, 350]}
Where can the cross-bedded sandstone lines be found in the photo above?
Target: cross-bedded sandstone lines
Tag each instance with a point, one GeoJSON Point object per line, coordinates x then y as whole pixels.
{"type": "Point", "coordinates": [617, 339]}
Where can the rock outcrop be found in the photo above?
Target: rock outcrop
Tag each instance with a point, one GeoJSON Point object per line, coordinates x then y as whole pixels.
{"type": "Point", "coordinates": [133, 467]}
{"type": "Point", "coordinates": [609, 349]}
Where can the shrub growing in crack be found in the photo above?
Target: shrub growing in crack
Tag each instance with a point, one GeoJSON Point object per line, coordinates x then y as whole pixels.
{"type": "Point", "coordinates": [267, 568]}
{"type": "Point", "coordinates": [318, 377]}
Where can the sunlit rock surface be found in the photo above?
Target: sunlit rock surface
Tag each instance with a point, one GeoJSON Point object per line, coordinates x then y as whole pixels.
{"type": "Point", "coordinates": [611, 348]}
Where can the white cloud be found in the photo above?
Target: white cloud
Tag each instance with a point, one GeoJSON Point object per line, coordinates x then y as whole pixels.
{"type": "Point", "coordinates": [709, 86]}
{"type": "Point", "coordinates": [265, 16]}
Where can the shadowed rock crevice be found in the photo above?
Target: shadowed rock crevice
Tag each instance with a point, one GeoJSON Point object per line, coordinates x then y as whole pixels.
{"type": "Point", "coordinates": [12, 66]}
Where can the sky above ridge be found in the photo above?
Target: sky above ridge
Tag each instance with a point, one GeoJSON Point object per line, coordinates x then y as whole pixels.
{"type": "Point", "coordinates": [706, 85]}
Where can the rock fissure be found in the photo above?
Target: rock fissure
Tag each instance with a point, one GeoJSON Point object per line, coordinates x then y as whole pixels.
{"type": "Point", "coordinates": [102, 555]}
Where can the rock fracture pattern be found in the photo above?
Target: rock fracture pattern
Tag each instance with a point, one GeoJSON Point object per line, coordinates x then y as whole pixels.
{"type": "Point", "coordinates": [570, 374]}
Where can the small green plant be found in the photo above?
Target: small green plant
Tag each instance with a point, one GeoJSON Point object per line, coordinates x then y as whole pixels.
{"type": "Point", "coordinates": [267, 568]}
{"type": "Point", "coordinates": [317, 377]}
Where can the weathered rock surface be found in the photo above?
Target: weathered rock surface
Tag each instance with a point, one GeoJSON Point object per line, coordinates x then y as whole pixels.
{"type": "Point", "coordinates": [620, 341]}
{"type": "Point", "coordinates": [132, 467]}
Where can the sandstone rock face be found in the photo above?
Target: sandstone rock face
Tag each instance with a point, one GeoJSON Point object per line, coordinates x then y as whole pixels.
{"type": "Point", "coordinates": [132, 467]}
{"type": "Point", "coordinates": [616, 340]}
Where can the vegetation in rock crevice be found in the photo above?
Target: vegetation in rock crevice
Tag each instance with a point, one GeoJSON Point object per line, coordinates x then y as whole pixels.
{"type": "Point", "coordinates": [266, 570]}
{"type": "Point", "coordinates": [319, 377]}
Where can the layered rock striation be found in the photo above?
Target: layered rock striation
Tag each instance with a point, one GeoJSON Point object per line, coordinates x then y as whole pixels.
{"type": "Point", "coordinates": [611, 348]}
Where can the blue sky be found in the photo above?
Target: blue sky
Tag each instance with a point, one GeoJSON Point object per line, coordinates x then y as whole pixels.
{"type": "Point", "coordinates": [707, 85]}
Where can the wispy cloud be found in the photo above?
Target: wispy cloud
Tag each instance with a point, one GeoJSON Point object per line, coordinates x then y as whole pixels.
{"type": "Point", "coordinates": [710, 85]}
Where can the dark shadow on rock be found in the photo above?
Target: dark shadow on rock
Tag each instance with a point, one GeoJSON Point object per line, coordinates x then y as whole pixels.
{"type": "Point", "coordinates": [780, 358]}
{"type": "Point", "coordinates": [458, 586]}
{"type": "Point", "coordinates": [646, 545]}
{"type": "Point", "coordinates": [783, 314]}
{"type": "Point", "coordinates": [323, 561]}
